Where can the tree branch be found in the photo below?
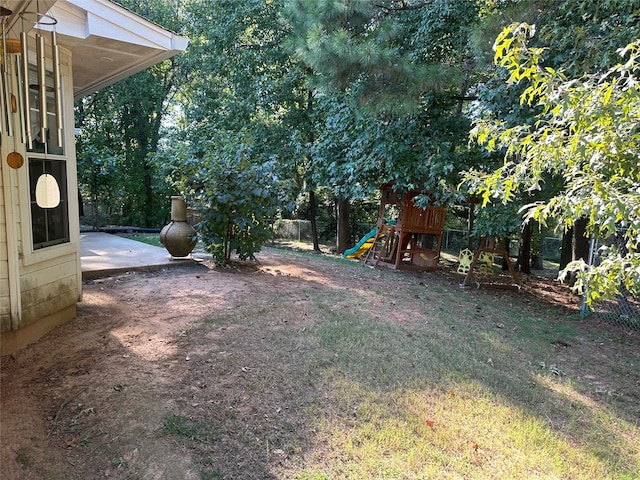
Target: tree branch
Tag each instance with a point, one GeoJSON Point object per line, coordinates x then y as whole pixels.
{"type": "Point", "coordinates": [465, 98]}
{"type": "Point", "coordinates": [403, 7]}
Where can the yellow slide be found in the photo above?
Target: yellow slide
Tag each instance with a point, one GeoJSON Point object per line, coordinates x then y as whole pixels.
{"type": "Point", "coordinates": [363, 245]}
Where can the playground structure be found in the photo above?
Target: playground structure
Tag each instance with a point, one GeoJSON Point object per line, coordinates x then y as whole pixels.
{"type": "Point", "coordinates": [483, 259]}
{"type": "Point", "coordinates": [412, 242]}
{"type": "Point", "coordinates": [362, 247]}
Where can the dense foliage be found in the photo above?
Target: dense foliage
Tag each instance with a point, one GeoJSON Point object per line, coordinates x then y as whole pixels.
{"type": "Point", "coordinates": [325, 100]}
{"type": "Point", "coordinates": [237, 198]}
{"type": "Point", "coordinates": [586, 133]}
{"type": "Point", "coordinates": [393, 78]}
{"type": "Point", "coordinates": [121, 127]}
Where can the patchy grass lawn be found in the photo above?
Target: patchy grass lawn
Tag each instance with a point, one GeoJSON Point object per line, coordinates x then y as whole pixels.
{"type": "Point", "coordinates": [148, 238]}
{"type": "Point", "coordinates": [312, 367]}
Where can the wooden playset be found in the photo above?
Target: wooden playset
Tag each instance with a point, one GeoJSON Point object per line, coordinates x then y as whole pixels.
{"type": "Point", "coordinates": [413, 242]}
{"type": "Point", "coordinates": [483, 259]}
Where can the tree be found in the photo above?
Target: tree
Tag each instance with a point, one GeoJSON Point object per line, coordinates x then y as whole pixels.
{"type": "Point", "coordinates": [124, 122]}
{"type": "Point", "coordinates": [580, 37]}
{"type": "Point", "coordinates": [96, 180]}
{"type": "Point", "coordinates": [388, 53]}
{"type": "Point", "coordinates": [237, 199]}
{"type": "Point", "coordinates": [392, 79]}
{"type": "Point", "coordinates": [586, 133]}
{"type": "Point", "coordinates": [243, 80]}
{"type": "Point", "coordinates": [583, 36]}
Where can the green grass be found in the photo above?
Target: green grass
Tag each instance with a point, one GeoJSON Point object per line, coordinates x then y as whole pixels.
{"type": "Point", "coordinates": [148, 238]}
{"type": "Point", "coordinates": [357, 373]}
{"type": "Point", "coordinates": [463, 397]}
{"type": "Point", "coordinates": [195, 435]}
{"type": "Point", "coordinates": [186, 429]}
{"type": "Point", "coordinates": [439, 383]}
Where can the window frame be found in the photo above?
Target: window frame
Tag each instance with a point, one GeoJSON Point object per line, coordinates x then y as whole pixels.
{"type": "Point", "coordinates": [26, 251]}
{"type": "Point", "coordinates": [58, 170]}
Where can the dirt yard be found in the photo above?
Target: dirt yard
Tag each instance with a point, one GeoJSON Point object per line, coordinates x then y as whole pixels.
{"type": "Point", "coordinates": [119, 391]}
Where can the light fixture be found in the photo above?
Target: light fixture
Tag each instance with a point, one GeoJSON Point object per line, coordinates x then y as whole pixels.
{"type": "Point", "coordinates": [47, 191]}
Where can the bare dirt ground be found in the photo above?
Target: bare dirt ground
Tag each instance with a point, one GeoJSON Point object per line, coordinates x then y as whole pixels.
{"type": "Point", "coordinates": [96, 397]}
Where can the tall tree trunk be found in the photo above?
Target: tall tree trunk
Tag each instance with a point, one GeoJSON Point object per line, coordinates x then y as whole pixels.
{"type": "Point", "coordinates": [566, 250]}
{"type": "Point", "coordinates": [524, 256]}
{"type": "Point", "coordinates": [94, 211]}
{"type": "Point", "coordinates": [537, 260]}
{"type": "Point", "coordinates": [148, 196]}
{"type": "Point", "coordinates": [312, 218]}
{"type": "Point", "coordinates": [80, 204]}
{"type": "Point", "coordinates": [580, 240]}
{"type": "Point", "coordinates": [342, 224]}
{"type": "Point", "coordinates": [227, 243]}
{"type": "Point", "coordinates": [141, 138]}
{"type": "Point", "coordinates": [580, 250]}
{"type": "Point", "coordinates": [313, 206]}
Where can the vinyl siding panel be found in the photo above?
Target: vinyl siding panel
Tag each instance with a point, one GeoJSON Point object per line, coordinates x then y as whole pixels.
{"type": "Point", "coordinates": [5, 305]}
{"type": "Point", "coordinates": [47, 287]}
{"type": "Point", "coordinates": [48, 299]}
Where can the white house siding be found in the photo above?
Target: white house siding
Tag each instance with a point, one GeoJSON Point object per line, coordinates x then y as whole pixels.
{"type": "Point", "coordinates": [39, 288]}
{"type": "Point", "coordinates": [47, 283]}
{"type": "Point", "coordinates": [9, 245]}
{"type": "Point", "coordinates": [5, 304]}
{"type": "Point", "coordinates": [48, 287]}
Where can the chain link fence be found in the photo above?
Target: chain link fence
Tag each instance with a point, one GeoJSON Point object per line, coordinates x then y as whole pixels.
{"type": "Point", "coordinates": [624, 310]}
{"type": "Point", "coordinates": [298, 230]}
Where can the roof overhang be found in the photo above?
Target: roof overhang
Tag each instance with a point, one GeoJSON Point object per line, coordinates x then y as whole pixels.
{"type": "Point", "coordinates": [107, 41]}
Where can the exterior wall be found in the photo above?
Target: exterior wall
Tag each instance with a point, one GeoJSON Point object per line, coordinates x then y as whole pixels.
{"type": "Point", "coordinates": [44, 285]}
{"type": "Point", "coordinates": [9, 225]}
{"type": "Point", "coordinates": [48, 287]}
{"type": "Point", "coordinates": [5, 309]}
{"type": "Point", "coordinates": [17, 339]}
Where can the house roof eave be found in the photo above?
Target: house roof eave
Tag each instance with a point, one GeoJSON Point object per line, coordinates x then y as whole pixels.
{"type": "Point", "coordinates": [107, 41]}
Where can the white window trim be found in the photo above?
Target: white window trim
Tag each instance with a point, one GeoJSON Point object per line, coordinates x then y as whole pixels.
{"type": "Point", "coordinates": [28, 254]}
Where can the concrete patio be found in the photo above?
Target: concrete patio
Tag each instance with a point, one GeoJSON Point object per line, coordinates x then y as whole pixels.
{"type": "Point", "coordinates": [103, 254]}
